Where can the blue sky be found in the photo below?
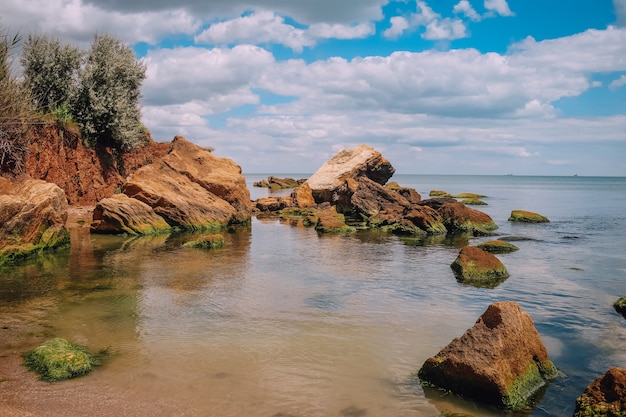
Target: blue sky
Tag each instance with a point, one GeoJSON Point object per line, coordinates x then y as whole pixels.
{"type": "Point", "coordinates": [526, 87]}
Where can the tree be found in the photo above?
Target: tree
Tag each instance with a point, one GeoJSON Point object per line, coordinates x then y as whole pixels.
{"type": "Point", "coordinates": [50, 72]}
{"type": "Point", "coordinates": [107, 106]}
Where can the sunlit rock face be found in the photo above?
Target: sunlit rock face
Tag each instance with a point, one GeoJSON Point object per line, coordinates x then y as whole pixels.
{"type": "Point", "coordinates": [189, 188]}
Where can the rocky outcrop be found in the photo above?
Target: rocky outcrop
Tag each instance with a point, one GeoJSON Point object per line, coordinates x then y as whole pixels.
{"type": "Point", "coordinates": [606, 396]}
{"type": "Point", "coordinates": [32, 217]}
{"type": "Point", "coordinates": [527, 217]}
{"type": "Point", "coordinates": [479, 268]}
{"type": "Point", "coordinates": [189, 188]}
{"type": "Point", "coordinates": [353, 163]}
{"type": "Point", "coordinates": [501, 360]}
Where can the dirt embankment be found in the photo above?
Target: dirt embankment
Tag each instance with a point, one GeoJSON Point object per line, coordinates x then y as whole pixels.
{"type": "Point", "coordinates": [86, 175]}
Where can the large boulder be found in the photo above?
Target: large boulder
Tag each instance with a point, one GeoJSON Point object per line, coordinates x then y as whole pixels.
{"type": "Point", "coordinates": [32, 217]}
{"type": "Point", "coordinates": [479, 268]}
{"type": "Point", "coordinates": [122, 214]}
{"type": "Point", "coordinates": [606, 396]}
{"type": "Point", "coordinates": [458, 218]}
{"type": "Point", "coordinates": [501, 360]}
{"type": "Point", "coordinates": [188, 188]}
{"type": "Point", "coordinates": [360, 161]}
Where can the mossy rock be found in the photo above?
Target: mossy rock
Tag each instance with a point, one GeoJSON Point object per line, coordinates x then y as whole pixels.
{"type": "Point", "coordinates": [469, 196]}
{"type": "Point", "coordinates": [473, 202]}
{"type": "Point", "coordinates": [215, 241]}
{"type": "Point", "coordinates": [478, 268]}
{"type": "Point", "coordinates": [620, 306]}
{"type": "Point", "coordinates": [59, 359]}
{"type": "Point", "coordinates": [498, 246]}
{"type": "Point", "coordinates": [438, 193]}
{"type": "Point", "coordinates": [527, 217]}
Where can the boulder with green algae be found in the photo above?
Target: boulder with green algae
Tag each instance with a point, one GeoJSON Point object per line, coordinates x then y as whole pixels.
{"type": "Point", "coordinates": [527, 217]}
{"type": "Point", "coordinates": [329, 221]}
{"type": "Point", "coordinates": [497, 246]}
{"type": "Point", "coordinates": [458, 218]}
{"type": "Point", "coordinates": [59, 359]}
{"type": "Point", "coordinates": [620, 306]}
{"type": "Point", "coordinates": [479, 268]}
{"type": "Point", "coordinates": [438, 193]}
{"type": "Point", "coordinates": [473, 202]}
{"type": "Point", "coordinates": [501, 360]}
{"type": "Point", "coordinates": [469, 195]}
{"type": "Point", "coordinates": [605, 397]}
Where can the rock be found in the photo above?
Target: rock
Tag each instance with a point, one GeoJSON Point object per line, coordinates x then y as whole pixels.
{"type": "Point", "coordinates": [438, 193]}
{"type": "Point", "coordinates": [606, 396]}
{"type": "Point", "coordinates": [459, 219]}
{"type": "Point", "coordinates": [527, 217]}
{"type": "Point", "coordinates": [329, 221]}
{"type": "Point", "coordinates": [479, 268]}
{"type": "Point", "coordinates": [190, 188]}
{"type": "Point", "coordinates": [360, 161]}
{"type": "Point", "coordinates": [620, 306]}
{"type": "Point", "coordinates": [32, 218]}
{"type": "Point", "coordinates": [214, 241]}
{"type": "Point", "coordinates": [473, 202]}
{"type": "Point", "coordinates": [269, 204]}
{"type": "Point", "coordinates": [302, 197]}
{"type": "Point", "coordinates": [470, 196]}
{"type": "Point", "coordinates": [501, 360]}
{"type": "Point", "coordinates": [122, 214]}
{"type": "Point", "coordinates": [437, 202]}
{"type": "Point", "coordinates": [497, 246]}
{"type": "Point", "coordinates": [276, 183]}
{"type": "Point", "coordinates": [59, 359]}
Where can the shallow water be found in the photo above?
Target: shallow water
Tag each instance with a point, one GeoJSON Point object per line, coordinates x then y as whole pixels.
{"type": "Point", "coordinates": [284, 322]}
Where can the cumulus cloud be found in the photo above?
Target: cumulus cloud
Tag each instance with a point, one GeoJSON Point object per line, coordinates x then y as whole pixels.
{"type": "Point", "coordinates": [465, 8]}
{"type": "Point", "coordinates": [500, 7]}
{"type": "Point", "coordinates": [620, 82]}
{"type": "Point", "coordinates": [436, 27]}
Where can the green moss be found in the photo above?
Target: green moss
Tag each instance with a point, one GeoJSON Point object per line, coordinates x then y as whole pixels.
{"type": "Point", "coordinates": [497, 246]}
{"type": "Point", "coordinates": [404, 230]}
{"type": "Point", "coordinates": [469, 195]}
{"type": "Point", "coordinates": [52, 238]}
{"type": "Point", "coordinates": [438, 193]}
{"type": "Point", "coordinates": [586, 407]}
{"type": "Point", "coordinates": [214, 241]}
{"type": "Point", "coordinates": [527, 217]}
{"type": "Point", "coordinates": [521, 390]}
{"type": "Point", "coordinates": [58, 359]}
{"type": "Point", "coordinates": [473, 202]}
{"type": "Point", "coordinates": [471, 274]}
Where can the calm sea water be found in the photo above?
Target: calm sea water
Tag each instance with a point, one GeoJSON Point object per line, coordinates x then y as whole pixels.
{"type": "Point", "coordinates": [284, 322]}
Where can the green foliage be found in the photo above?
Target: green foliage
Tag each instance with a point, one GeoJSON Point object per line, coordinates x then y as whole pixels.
{"type": "Point", "coordinates": [50, 72]}
{"type": "Point", "coordinates": [58, 359]}
{"type": "Point", "coordinates": [107, 105]}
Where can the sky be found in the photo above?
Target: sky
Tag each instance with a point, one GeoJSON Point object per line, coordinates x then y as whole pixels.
{"type": "Point", "coordinates": [484, 87]}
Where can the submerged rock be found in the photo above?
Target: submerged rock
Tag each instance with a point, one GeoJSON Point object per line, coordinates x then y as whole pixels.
{"type": "Point", "coordinates": [459, 218]}
{"type": "Point", "coordinates": [122, 214]}
{"type": "Point", "coordinates": [32, 218]}
{"type": "Point", "coordinates": [605, 397]}
{"type": "Point", "coordinates": [477, 267]}
{"type": "Point", "coordinates": [501, 360]}
{"type": "Point", "coordinates": [527, 217]}
{"type": "Point", "coordinates": [59, 359]}
{"type": "Point", "coordinates": [620, 306]}
{"type": "Point", "coordinates": [214, 241]}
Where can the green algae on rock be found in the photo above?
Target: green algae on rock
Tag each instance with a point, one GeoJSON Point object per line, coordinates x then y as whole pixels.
{"type": "Point", "coordinates": [59, 359]}
{"type": "Point", "coordinates": [469, 195]}
{"type": "Point", "coordinates": [329, 221]}
{"type": "Point", "coordinates": [214, 241]}
{"type": "Point", "coordinates": [438, 193]}
{"type": "Point", "coordinates": [473, 202]}
{"type": "Point", "coordinates": [527, 217]}
{"type": "Point", "coordinates": [497, 246]}
{"type": "Point", "coordinates": [479, 268]}
{"type": "Point", "coordinates": [605, 397]}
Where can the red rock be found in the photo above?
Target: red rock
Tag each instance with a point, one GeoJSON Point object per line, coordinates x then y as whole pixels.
{"type": "Point", "coordinates": [606, 396]}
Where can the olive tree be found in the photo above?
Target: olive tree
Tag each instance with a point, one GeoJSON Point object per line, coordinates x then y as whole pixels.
{"type": "Point", "coordinates": [107, 105]}
{"type": "Point", "coordinates": [50, 72]}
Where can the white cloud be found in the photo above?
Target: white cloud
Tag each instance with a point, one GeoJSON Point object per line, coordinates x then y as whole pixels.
{"type": "Point", "coordinates": [436, 27]}
{"type": "Point", "coordinates": [620, 82]}
{"type": "Point", "coordinates": [339, 31]}
{"type": "Point", "coordinates": [446, 29]}
{"type": "Point", "coordinates": [500, 7]}
{"type": "Point", "coordinates": [465, 8]}
{"type": "Point", "coordinates": [398, 25]}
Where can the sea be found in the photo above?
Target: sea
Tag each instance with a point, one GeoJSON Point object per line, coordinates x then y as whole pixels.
{"type": "Point", "coordinates": [285, 322]}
